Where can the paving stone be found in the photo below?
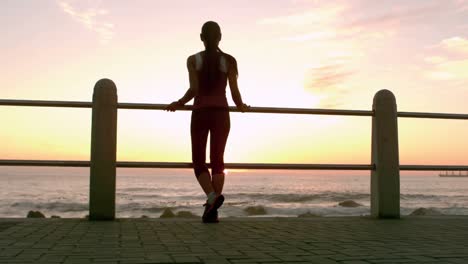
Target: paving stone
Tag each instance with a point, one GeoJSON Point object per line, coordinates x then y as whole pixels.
{"type": "Point", "coordinates": [351, 240]}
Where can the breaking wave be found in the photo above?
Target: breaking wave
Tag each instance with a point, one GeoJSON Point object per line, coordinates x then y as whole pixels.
{"type": "Point", "coordinates": [52, 206]}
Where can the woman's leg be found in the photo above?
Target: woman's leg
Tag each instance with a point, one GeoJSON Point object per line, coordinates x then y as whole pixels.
{"type": "Point", "coordinates": [218, 183]}
{"type": "Point", "coordinates": [199, 136]}
{"type": "Point", "coordinates": [218, 139]}
{"type": "Point", "coordinates": [204, 179]}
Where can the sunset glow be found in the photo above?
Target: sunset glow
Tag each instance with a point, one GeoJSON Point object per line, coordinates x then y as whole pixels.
{"type": "Point", "coordinates": [291, 53]}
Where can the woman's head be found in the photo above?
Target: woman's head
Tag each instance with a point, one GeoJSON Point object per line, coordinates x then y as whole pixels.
{"type": "Point", "coordinates": [210, 34]}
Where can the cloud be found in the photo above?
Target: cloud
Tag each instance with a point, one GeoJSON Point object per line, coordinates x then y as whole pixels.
{"type": "Point", "coordinates": [314, 16]}
{"type": "Point", "coordinates": [397, 16]}
{"type": "Point", "coordinates": [337, 21]}
{"type": "Point", "coordinates": [462, 5]}
{"type": "Point", "coordinates": [453, 70]}
{"type": "Point", "coordinates": [328, 82]}
{"type": "Point", "coordinates": [316, 35]}
{"type": "Point", "coordinates": [314, 23]}
{"type": "Point", "coordinates": [449, 60]}
{"type": "Point", "coordinates": [327, 76]}
{"type": "Point", "coordinates": [92, 18]}
{"type": "Point", "coordinates": [455, 44]}
{"type": "Point", "coordinates": [435, 59]}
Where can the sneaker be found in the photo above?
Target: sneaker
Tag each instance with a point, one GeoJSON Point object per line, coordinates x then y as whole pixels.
{"type": "Point", "coordinates": [210, 215]}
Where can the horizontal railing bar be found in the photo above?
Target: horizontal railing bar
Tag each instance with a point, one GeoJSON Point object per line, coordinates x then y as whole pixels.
{"type": "Point", "coordinates": [267, 110]}
{"type": "Point", "coordinates": [260, 166]}
{"type": "Point", "coordinates": [434, 167]}
{"type": "Point", "coordinates": [186, 165]}
{"type": "Point", "coordinates": [432, 115]}
{"type": "Point", "coordinates": [141, 106]}
{"type": "Point", "coordinates": [275, 110]}
{"type": "Point", "coordinates": [256, 166]}
{"type": "Point", "coordinates": [41, 103]}
{"type": "Point", "coordinates": [47, 163]}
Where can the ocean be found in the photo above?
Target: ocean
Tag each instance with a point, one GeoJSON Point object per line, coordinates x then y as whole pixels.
{"type": "Point", "coordinates": [268, 193]}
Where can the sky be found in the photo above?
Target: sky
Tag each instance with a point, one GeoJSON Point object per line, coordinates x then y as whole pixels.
{"type": "Point", "coordinates": [291, 53]}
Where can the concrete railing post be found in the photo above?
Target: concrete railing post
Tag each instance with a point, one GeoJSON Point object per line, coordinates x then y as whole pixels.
{"type": "Point", "coordinates": [103, 151]}
{"type": "Point", "coordinates": [385, 179]}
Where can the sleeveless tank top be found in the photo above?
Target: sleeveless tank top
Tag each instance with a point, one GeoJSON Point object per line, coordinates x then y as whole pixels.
{"type": "Point", "coordinates": [211, 82]}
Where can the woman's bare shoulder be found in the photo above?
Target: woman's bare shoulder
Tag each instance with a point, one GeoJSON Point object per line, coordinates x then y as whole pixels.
{"type": "Point", "coordinates": [191, 58]}
{"type": "Point", "coordinates": [231, 62]}
{"type": "Point", "coordinates": [229, 57]}
{"type": "Point", "coordinates": [191, 61]}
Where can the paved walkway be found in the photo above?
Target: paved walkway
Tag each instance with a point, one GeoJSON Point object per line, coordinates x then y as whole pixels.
{"type": "Point", "coordinates": [351, 240]}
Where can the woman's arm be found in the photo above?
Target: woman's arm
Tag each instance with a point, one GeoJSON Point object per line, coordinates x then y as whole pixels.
{"type": "Point", "coordinates": [192, 90]}
{"type": "Point", "coordinates": [235, 93]}
{"type": "Point", "coordinates": [187, 96]}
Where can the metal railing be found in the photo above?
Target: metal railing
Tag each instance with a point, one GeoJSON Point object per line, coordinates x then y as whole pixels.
{"type": "Point", "coordinates": [269, 110]}
{"type": "Point", "coordinates": [187, 165]}
{"type": "Point", "coordinates": [251, 166]}
{"type": "Point", "coordinates": [384, 167]}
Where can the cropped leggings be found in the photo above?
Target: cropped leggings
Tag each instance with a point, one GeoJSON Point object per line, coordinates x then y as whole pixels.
{"type": "Point", "coordinates": [215, 122]}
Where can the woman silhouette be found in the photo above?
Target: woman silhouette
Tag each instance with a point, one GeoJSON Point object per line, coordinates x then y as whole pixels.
{"type": "Point", "coordinates": [209, 72]}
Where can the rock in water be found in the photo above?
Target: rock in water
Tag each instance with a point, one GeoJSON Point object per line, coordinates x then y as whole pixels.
{"type": "Point", "coordinates": [55, 216]}
{"type": "Point", "coordinates": [308, 214]}
{"type": "Point", "coordinates": [144, 216]}
{"type": "Point", "coordinates": [35, 214]}
{"type": "Point", "coordinates": [426, 211]}
{"type": "Point", "coordinates": [185, 214]}
{"type": "Point", "coordinates": [255, 210]}
{"type": "Point", "coordinates": [349, 203]}
{"type": "Point", "coordinates": [167, 213]}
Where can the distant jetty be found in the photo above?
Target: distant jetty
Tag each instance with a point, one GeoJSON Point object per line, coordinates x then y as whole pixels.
{"type": "Point", "coordinates": [453, 174]}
